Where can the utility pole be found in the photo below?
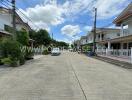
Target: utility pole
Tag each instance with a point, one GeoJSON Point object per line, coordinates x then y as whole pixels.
{"type": "Point", "coordinates": [94, 31]}
{"type": "Point", "coordinates": [52, 36]}
{"type": "Point", "coordinates": [14, 19]}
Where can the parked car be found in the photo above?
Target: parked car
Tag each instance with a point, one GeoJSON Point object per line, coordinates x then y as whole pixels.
{"type": "Point", "coordinates": [55, 51]}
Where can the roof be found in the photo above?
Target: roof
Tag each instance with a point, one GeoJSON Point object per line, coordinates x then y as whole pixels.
{"type": "Point", "coordinates": [83, 37]}
{"type": "Point", "coordinates": [125, 14]}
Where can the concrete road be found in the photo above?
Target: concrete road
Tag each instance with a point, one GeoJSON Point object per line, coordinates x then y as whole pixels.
{"type": "Point", "coordinates": [69, 76]}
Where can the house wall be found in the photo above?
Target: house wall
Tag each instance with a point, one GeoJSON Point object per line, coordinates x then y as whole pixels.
{"type": "Point", "coordinates": [127, 22]}
{"type": "Point", "coordinates": [130, 26]}
{"type": "Point", "coordinates": [20, 26]}
{"type": "Point", "coordinates": [5, 19]}
{"type": "Point", "coordinates": [83, 41]}
{"type": "Point", "coordinates": [112, 34]}
{"type": "Point", "coordinates": [90, 38]}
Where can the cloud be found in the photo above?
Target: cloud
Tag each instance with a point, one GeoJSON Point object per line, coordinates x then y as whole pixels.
{"type": "Point", "coordinates": [70, 30]}
{"type": "Point", "coordinates": [109, 8]}
{"type": "Point", "coordinates": [49, 14]}
{"type": "Point", "coordinates": [67, 40]}
{"type": "Point", "coordinates": [43, 15]}
{"type": "Point", "coordinates": [52, 13]}
{"type": "Point", "coordinates": [87, 28]}
{"type": "Point", "coordinates": [105, 7]}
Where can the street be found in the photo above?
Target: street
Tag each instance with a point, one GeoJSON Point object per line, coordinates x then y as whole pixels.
{"type": "Point", "coordinates": [70, 76]}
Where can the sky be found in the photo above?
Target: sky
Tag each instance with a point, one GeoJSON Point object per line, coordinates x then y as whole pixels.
{"type": "Point", "coordinates": [70, 19]}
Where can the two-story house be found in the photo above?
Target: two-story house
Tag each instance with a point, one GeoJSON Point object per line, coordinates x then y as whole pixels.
{"type": "Point", "coordinates": [77, 44]}
{"type": "Point", "coordinates": [6, 22]}
{"type": "Point", "coordinates": [104, 37]}
{"type": "Point", "coordinates": [83, 40]}
{"type": "Point", "coordinates": [119, 43]}
{"type": "Point", "coordinates": [124, 20]}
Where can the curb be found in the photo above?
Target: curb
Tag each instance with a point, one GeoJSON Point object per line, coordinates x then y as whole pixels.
{"type": "Point", "coordinates": [115, 62]}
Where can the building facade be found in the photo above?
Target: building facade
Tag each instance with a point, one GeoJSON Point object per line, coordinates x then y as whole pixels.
{"type": "Point", "coordinates": [6, 25]}
{"type": "Point", "coordinates": [114, 42]}
{"type": "Point", "coordinates": [119, 44]}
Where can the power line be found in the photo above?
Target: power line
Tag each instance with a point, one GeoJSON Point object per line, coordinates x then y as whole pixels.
{"type": "Point", "coordinates": [3, 4]}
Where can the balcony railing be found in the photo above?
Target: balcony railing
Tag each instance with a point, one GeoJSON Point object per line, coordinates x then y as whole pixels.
{"type": "Point", "coordinates": [125, 33]}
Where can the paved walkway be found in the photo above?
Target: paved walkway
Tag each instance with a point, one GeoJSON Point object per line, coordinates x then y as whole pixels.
{"type": "Point", "coordinates": [118, 58]}
{"type": "Point", "coordinates": [69, 76]}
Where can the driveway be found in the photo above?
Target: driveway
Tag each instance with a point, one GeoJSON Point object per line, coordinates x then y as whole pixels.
{"type": "Point", "coordinates": [69, 76]}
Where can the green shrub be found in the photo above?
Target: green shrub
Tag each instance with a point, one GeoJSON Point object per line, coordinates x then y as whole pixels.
{"type": "Point", "coordinates": [10, 62]}
{"type": "Point", "coordinates": [10, 48]}
{"type": "Point", "coordinates": [45, 52]}
{"type": "Point", "coordinates": [15, 63]}
{"type": "Point", "coordinates": [6, 61]}
{"type": "Point", "coordinates": [22, 60]}
{"type": "Point", "coordinates": [10, 52]}
{"type": "Point", "coordinates": [23, 37]}
{"type": "Point", "coordinates": [29, 54]}
{"type": "Point", "coordinates": [1, 61]}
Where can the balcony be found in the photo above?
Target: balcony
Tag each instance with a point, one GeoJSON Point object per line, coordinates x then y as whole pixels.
{"type": "Point", "coordinates": [117, 35]}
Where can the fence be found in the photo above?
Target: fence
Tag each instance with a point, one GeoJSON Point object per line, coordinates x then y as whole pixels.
{"type": "Point", "coordinates": [122, 53]}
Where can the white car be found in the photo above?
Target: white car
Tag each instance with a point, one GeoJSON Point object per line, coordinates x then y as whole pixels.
{"type": "Point", "coordinates": [55, 51]}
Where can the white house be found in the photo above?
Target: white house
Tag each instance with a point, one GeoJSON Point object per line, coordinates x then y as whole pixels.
{"type": "Point", "coordinates": [119, 43]}
{"type": "Point", "coordinates": [77, 44]}
{"type": "Point", "coordinates": [83, 40]}
{"type": "Point", "coordinates": [6, 21]}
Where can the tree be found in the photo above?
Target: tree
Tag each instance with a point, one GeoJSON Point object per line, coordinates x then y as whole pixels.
{"type": "Point", "coordinates": [32, 34]}
{"type": "Point", "coordinates": [72, 46]}
{"type": "Point", "coordinates": [60, 44]}
{"type": "Point", "coordinates": [23, 37]}
{"type": "Point", "coordinates": [41, 37]}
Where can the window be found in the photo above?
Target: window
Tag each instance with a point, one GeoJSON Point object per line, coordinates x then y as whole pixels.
{"type": "Point", "coordinates": [118, 34]}
{"type": "Point", "coordinates": [8, 28]}
{"type": "Point", "coordinates": [102, 36]}
{"type": "Point", "coordinates": [124, 45]}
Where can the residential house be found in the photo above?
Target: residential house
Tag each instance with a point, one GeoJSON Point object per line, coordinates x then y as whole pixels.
{"type": "Point", "coordinates": [83, 40]}
{"type": "Point", "coordinates": [113, 42]}
{"type": "Point", "coordinates": [6, 22]}
{"type": "Point", "coordinates": [119, 43]}
{"type": "Point", "coordinates": [77, 44]}
{"type": "Point", "coordinates": [104, 37]}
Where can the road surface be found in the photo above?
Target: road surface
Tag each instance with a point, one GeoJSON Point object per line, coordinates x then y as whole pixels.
{"type": "Point", "coordinates": [70, 76]}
